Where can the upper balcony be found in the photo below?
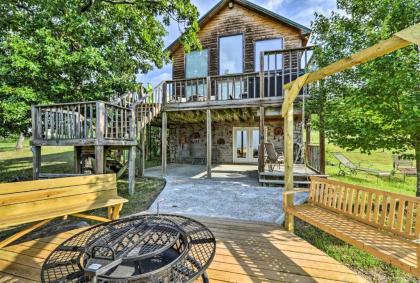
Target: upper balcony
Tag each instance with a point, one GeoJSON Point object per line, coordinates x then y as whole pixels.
{"type": "Point", "coordinates": [265, 87]}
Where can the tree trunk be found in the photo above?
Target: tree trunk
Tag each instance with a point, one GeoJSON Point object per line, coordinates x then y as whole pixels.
{"type": "Point", "coordinates": [417, 153]}
{"type": "Point", "coordinates": [19, 143]}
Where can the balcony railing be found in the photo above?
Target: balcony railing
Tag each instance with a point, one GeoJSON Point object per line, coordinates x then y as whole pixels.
{"type": "Point", "coordinates": [277, 69]}
{"type": "Point", "coordinates": [84, 121]}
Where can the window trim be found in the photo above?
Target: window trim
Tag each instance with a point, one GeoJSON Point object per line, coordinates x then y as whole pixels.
{"type": "Point", "coordinates": [255, 49]}
{"type": "Point", "coordinates": [243, 51]}
{"type": "Point", "coordinates": [208, 63]}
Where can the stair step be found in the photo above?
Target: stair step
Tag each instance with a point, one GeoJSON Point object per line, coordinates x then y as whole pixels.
{"type": "Point", "coordinates": [282, 182]}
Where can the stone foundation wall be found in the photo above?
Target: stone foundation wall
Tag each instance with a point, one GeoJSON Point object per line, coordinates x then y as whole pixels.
{"type": "Point", "coordinates": [188, 141]}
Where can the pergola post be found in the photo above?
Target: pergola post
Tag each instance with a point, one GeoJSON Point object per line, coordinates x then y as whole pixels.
{"type": "Point", "coordinates": [288, 167]}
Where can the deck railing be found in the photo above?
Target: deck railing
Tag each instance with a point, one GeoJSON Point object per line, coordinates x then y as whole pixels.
{"type": "Point", "coordinates": [278, 68]}
{"type": "Point", "coordinates": [313, 160]}
{"type": "Point", "coordinates": [82, 121]}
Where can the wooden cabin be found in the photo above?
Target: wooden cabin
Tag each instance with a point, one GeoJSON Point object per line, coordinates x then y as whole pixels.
{"type": "Point", "coordinates": [222, 103]}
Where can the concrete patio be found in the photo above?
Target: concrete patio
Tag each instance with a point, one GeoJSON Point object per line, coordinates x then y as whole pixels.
{"type": "Point", "coordinates": [232, 192]}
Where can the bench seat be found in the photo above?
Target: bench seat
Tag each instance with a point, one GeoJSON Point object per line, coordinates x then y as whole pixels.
{"type": "Point", "coordinates": [63, 210]}
{"type": "Point", "coordinates": [384, 224]}
{"type": "Point", "coordinates": [43, 200]}
{"type": "Point", "coordinates": [382, 244]}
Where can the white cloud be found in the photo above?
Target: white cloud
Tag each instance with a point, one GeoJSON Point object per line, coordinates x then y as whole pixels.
{"type": "Point", "coordinates": [273, 4]}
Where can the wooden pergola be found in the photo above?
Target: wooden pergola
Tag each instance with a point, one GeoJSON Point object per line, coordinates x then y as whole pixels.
{"type": "Point", "coordinates": [403, 38]}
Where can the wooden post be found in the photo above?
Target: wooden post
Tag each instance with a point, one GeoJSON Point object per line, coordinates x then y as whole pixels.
{"type": "Point", "coordinates": [100, 121]}
{"type": "Point", "coordinates": [77, 159]}
{"type": "Point", "coordinates": [36, 168]}
{"type": "Point", "coordinates": [321, 148]}
{"type": "Point", "coordinates": [142, 152]}
{"type": "Point", "coordinates": [99, 159]}
{"type": "Point", "coordinates": [288, 168]}
{"type": "Point", "coordinates": [209, 143]}
{"type": "Point", "coordinates": [307, 140]}
{"type": "Point", "coordinates": [164, 141]}
{"type": "Point", "coordinates": [131, 169]}
{"type": "Point", "coordinates": [261, 164]}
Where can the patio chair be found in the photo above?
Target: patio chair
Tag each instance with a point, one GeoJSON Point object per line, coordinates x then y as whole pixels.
{"type": "Point", "coordinates": [273, 158]}
{"type": "Point", "coordinates": [346, 165]}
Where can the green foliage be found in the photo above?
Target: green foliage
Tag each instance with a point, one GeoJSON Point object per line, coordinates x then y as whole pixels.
{"type": "Point", "coordinates": [375, 105]}
{"type": "Point", "coordinates": [75, 50]}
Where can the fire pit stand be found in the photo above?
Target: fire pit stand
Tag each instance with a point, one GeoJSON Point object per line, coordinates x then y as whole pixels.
{"type": "Point", "coordinates": [143, 248]}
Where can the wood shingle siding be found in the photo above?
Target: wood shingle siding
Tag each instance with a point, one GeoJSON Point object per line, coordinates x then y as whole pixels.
{"type": "Point", "coordinates": [252, 25]}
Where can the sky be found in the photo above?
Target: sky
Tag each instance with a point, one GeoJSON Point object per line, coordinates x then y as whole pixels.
{"type": "Point", "coordinates": [300, 11]}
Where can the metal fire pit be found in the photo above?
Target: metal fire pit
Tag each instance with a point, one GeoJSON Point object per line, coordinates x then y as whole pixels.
{"type": "Point", "coordinates": [144, 248]}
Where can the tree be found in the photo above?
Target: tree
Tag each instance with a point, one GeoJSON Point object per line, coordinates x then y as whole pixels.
{"type": "Point", "coordinates": [375, 105]}
{"type": "Point", "coordinates": [78, 50]}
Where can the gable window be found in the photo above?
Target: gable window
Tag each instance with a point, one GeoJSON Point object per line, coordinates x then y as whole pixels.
{"type": "Point", "coordinates": [231, 54]}
{"type": "Point", "coordinates": [276, 61]}
{"type": "Point", "coordinates": [196, 64]}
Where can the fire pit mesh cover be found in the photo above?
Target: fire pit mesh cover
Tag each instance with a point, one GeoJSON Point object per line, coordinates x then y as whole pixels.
{"type": "Point", "coordinates": [145, 248]}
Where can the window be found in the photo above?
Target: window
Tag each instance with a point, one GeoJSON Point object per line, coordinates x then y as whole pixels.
{"type": "Point", "coordinates": [269, 45]}
{"type": "Point", "coordinates": [231, 54]}
{"type": "Point", "coordinates": [196, 64]}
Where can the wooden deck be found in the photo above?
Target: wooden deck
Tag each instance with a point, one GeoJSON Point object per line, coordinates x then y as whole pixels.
{"type": "Point", "coordinates": [246, 252]}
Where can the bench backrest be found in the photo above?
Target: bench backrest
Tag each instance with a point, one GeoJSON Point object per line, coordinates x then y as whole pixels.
{"type": "Point", "coordinates": [33, 197]}
{"type": "Point", "coordinates": [396, 213]}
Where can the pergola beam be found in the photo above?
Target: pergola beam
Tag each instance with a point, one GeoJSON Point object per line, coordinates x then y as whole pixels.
{"type": "Point", "coordinates": [401, 39]}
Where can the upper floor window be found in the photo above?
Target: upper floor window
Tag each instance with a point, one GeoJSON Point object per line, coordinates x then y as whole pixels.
{"type": "Point", "coordinates": [196, 64]}
{"type": "Point", "coordinates": [231, 54]}
{"type": "Point", "coordinates": [273, 62]}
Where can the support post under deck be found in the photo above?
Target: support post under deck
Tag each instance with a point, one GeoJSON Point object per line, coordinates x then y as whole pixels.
{"type": "Point", "coordinates": [36, 168]}
{"type": "Point", "coordinates": [77, 159]}
{"type": "Point", "coordinates": [99, 159]}
{"type": "Point", "coordinates": [164, 141]}
{"type": "Point", "coordinates": [209, 143]}
{"type": "Point", "coordinates": [132, 169]}
{"type": "Point", "coordinates": [261, 164]}
{"type": "Point", "coordinates": [141, 158]}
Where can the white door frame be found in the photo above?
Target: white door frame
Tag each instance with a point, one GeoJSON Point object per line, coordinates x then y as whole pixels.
{"type": "Point", "coordinates": [249, 158]}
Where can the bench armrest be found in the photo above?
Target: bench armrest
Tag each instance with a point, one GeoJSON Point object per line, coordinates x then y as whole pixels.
{"type": "Point", "coordinates": [297, 190]}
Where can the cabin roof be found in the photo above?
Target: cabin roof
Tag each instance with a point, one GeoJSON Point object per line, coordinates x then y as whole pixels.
{"type": "Point", "coordinates": [222, 3]}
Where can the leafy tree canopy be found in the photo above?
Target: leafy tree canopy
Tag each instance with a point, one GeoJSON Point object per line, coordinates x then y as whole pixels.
{"type": "Point", "coordinates": [375, 105]}
{"type": "Point", "coordinates": [75, 50]}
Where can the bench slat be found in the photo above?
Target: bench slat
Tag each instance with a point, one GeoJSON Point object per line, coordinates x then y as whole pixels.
{"type": "Point", "coordinates": [29, 196]}
{"type": "Point", "coordinates": [60, 211]}
{"type": "Point", "coordinates": [43, 205]}
{"type": "Point", "coordinates": [8, 188]}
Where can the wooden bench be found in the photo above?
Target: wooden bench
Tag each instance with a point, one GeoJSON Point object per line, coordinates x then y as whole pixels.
{"type": "Point", "coordinates": [44, 200]}
{"type": "Point", "coordinates": [384, 224]}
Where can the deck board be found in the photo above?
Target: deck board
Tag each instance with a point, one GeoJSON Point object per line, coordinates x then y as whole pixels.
{"type": "Point", "coordinates": [246, 252]}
